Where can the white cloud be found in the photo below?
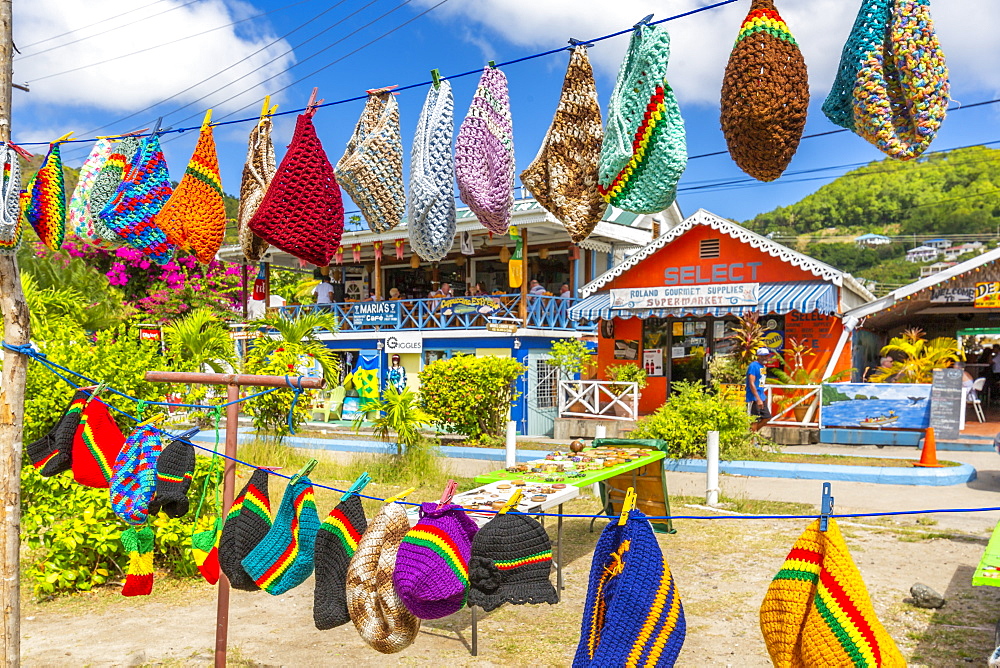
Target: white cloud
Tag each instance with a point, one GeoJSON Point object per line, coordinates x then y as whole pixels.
{"type": "Point", "coordinates": [700, 44]}
{"type": "Point", "coordinates": [135, 82]}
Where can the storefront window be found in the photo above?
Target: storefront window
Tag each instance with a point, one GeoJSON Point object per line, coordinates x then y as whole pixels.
{"type": "Point", "coordinates": [552, 273]}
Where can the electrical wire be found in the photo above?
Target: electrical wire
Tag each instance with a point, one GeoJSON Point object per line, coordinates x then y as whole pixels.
{"type": "Point", "coordinates": [110, 18]}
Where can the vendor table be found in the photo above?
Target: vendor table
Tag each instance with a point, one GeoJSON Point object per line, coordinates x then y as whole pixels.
{"type": "Point", "coordinates": [588, 478]}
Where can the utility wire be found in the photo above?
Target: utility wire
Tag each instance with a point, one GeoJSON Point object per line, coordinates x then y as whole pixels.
{"type": "Point", "coordinates": [110, 18]}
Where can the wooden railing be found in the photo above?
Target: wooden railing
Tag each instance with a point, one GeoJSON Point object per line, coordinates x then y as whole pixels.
{"type": "Point", "coordinates": [598, 398]}
{"type": "Point", "coordinates": [805, 396]}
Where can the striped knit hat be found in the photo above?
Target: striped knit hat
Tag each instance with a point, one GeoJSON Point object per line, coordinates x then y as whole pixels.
{"type": "Point", "coordinates": [892, 84]}
{"type": "Point", "coordinates": [194, 218]}
{"type": "Point", "coordinates": [484, 153]}
{"type": "Point", "coordinates": [106, 185]}
{"type": "Point", "coordinates": [633, 614]}
{"type": "Point", "coordinates": [258, 171]}
{"type": "Point", "coordinates": [11, 222]}
{"type": "Point", "coordinates": [376, 610]}
{"type": "Point", "coordinates": [247, 524]}
{"type": "Point", "coordinates": [336, 543]}
{"type": "Point", "coordinates": [134, 479]}
{"type": "Point", "coordinates": [174, 470]}
{"type": "Point", "coordinates": [51, 454]}
{"type": "Point", "coordinates": [563, 176]}
{"type": "Point", "coordinates": [817, 611]}
{"type": "Point", "coordinates": [78, 219]}
{"type": "Point", "coordinates": [432, 566]}
{"type": "Point", "coordinates": [644, 151]}
{"type": "Point", "coordinates": [144, 189]}
{"type": "Point", "coordinates": [431, 220]}
{"type": "Point", "coordinates": [96, 445]}
{"type": "Point", "coordinates": [284, 558]}
{"type": "Point", "coordinates": [510, 563]}
{"type": "Point", "coordinates": [138, 544]}
{"type": "Point", "coordinates": [46, 207]}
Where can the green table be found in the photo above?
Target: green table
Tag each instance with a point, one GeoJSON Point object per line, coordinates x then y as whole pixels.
{"type": "Point", "coordinates": [589, 479]}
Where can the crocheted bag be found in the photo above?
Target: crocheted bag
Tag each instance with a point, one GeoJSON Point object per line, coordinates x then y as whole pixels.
{"type": "Point", "coordinates": [284, 558]}
{"type": "Point", "coordinates": [194, 218]}
{"type": "Point", "coordinates": [78, 220]}
{"type": "Point", "coordinates": [134, 479]}
{"type": "Point", "coordinates": [336, 542]}
{"type": "Point", "coordinates": [174, 470]}
{"type": "Point", "coordinates": [46, 207]}
{"type": "Point", "coordinates": [376, 610]}
{"type": "Point", "coordinates": [52, 453]}
{"type": "Point", "coordinates": [431, 220]}
{"type": "Point", "coordinates": [644, 152]}
{"type": "Point", "coordinates": [817, 611]}
{"type": "Point", "coordinates": [510, 563]}
{"type": "Point", "coordinates": [892, 84]}
{"type": "Point", "coordinates": [765, 94]}
{"type": "Point", "coordinates": [258, 171]}
{"type": "Point", "coordinates": [633, 614]}
{"type": "Point", "coordinates": [144, 190]}
{"type": "Point", "coordinates": [11, 220]}
{"type": "Point", "coordinates": [484, 153]}
{"type": "Point", "coordinates": [371, 170]}
{"type": "Point", "coordinates": [247, 524]}
{"type": "Point", "coordinates": [106, 186]}
{"type": "Point", "coordinates": [96, 445]}
{"type": "Point", "coordinates": [138, 544]}
{"type": "Point", "coordinates": [302, 212]}
{"type": "Point", "coordinates": [563, 176]}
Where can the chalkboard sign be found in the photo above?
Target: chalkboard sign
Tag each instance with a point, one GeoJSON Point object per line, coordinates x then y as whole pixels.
{"type": "Point", "coordinates": [946, 402]}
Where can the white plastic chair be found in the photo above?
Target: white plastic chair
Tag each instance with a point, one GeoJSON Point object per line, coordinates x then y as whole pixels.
{"type": "Point", "coordinates": [973, 398]}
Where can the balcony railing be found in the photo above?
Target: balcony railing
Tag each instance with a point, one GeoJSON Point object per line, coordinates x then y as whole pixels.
{"type": "Point", "coordinates": [544, 312]}
{"type": "Point", "coordinates": [598, 398]}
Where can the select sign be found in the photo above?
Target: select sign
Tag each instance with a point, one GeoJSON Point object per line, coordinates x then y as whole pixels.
{"type": "Point", "coordinates": [404, 343]}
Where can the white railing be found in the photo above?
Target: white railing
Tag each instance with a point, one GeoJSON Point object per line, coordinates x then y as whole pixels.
{"type": "Point", "coordinates": [786, 416]}
{"type": "Point", "coordinates": [599, 398]}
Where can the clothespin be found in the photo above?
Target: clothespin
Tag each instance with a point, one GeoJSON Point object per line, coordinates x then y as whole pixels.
{"type": "Point", "coordinates": [358, 485]}
{"type": "Point", "coordinates": [304, 471]}
{"type": "Point", "coordinates": [573, 42]}
{"type": "Point", "coordinates": [185, 435]}
{"type": "Point", "coordinates": [436, 78]}
{"type": "Point", "coordinates": [24, 153]}
{"type": "Point", "coordinates": [94, 391]}
{"type": "Point", "coordinates": [449, 491]}
{"type": "Point", "coordinates": [512, 502]}
{"type": "Point", "coordinates": [207, 120]}
{"type": "Point", "coordinates": [156, 419]}
{"type": "Point", "coordinates": [64, 137]}
{"type": "Point", "coordinates": [628, 505]}
{"type": "Point", "coordinates": [643, 22]}
{"type": "Point", "coordinates": [122, 135]}
{"type": "Point", "coordinates": [402, 495]}
{"type": "Point", "coordinates": [270, 468]}
{"type": "Point", "coordinates": [156, 128]}
{"type": "Point", "coordinates": [492, 64]}
{"type": "Point", "coordinates": [826, 508]}
{"type": "Point", "coordinates": [265, 107]}
{"type": "Point", "coordinates": [313, 103]}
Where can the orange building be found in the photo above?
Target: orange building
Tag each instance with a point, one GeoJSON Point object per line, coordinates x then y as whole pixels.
{"type": "Point", "coordinates": [671, 305]}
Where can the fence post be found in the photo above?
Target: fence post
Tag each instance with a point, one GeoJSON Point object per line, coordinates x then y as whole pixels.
{"type": "Point", "coordinates": [511, 444]}
{"type": "Point", "coordinates": [712, 470]}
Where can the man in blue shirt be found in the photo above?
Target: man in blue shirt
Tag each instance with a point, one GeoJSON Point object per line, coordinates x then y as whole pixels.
{"type": "Point", "coordinates": [755, 395]}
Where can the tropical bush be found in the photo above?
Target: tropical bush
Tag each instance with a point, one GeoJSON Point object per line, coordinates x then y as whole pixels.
{"type": "Point", "coordinates": [726, 370]}
{"type": "Point", "coordinates": [470, 395]}
{"type": "Point", "coordinates": [399, 414]}
{"type": "Point", "coordinates": [571, 356]}
{"type": "Point", "coordinates": [626, 373]}
{"type": "Point", "coordinates": [916, 357]}
{"type": "Point", "coordinates": [202, 340]}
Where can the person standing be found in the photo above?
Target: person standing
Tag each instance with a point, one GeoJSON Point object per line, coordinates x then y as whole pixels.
{"type": "Point", "coordinates": [536, 288]}
{"type": "Point", "coordinates": [756, 397]}
{"type": "Point", "coordinates": [323, 292]}
{"type": "Point", "coordinates": [564, 291]}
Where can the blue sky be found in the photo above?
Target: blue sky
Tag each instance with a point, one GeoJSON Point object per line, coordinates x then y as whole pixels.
{"type": "Point", "coordinates": [284, 48]}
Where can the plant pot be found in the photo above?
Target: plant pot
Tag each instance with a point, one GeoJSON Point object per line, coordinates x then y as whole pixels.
{"type": "Point", "coordinates": [800, 412]}
{"type": "Point", "coordinates": [621, 410]}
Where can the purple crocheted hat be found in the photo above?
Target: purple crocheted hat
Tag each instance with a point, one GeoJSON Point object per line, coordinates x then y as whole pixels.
{"type": "Point", "coordinates": [484, 153]}
{"type": "Point", "coordinates": [432, 571]}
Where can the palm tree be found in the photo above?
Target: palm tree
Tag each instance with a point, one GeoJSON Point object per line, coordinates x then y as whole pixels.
{"type": "Point", "coordinates": [399, 413]}
{"type": "Point", "coordinates": [201, 339]}
{"type": "Point", "coordinates": [300, 334]}
{"type": "Point", "coordinates": [919, 357]}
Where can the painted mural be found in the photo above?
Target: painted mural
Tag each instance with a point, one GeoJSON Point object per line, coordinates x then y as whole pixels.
{"type": "Point", "coordinates": [876, 405]}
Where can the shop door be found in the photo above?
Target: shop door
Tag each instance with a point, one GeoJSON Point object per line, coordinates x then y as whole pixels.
{"type": "Point", "coordinates": [542, 395]}
{"type": "Point", "coordinates": [688, 347]}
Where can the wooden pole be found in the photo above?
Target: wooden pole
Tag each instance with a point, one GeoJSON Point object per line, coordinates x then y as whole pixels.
{"type": "Point", "coordinates": [525, 278]}
{"type": "Point", "coordinates": [17, 331]}
{"type": "Point", "coordinates": [245, 294]}
{"type": "Point", "coordinates": [267, 286]}
{"type": "Point", "coordinates": [378, 277]}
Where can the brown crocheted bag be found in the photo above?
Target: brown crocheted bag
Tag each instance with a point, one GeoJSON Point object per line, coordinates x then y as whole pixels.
{"type": "Point", "coordinates": [258, 171]}
{"type": "Point", "coordinates": [765, 94]}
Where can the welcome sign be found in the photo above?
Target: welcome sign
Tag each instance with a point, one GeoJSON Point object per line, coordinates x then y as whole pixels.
{"type": "Point", "coordinates": [722, 294]}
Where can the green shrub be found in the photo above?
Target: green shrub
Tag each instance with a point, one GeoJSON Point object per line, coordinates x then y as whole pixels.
{"type": "Point", "coordinates": [470, 395]}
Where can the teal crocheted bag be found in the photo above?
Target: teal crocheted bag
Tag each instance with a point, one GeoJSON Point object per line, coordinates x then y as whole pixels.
{"type": "Point", "coordinates": [644, 151]}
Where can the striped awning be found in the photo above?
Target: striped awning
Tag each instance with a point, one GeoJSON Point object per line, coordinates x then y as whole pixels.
{"type": "Point", "coordinates": [802, 296]}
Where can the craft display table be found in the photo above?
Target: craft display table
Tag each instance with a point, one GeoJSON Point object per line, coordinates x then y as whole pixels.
{"type": "Point", "coordinates": [588, 477]}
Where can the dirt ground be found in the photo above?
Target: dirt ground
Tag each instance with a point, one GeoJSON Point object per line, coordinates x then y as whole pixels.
{"type": "Point", "coordinates": [722, 568]}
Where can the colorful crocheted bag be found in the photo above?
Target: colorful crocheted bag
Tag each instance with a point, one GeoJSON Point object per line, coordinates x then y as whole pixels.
{"type": "Point", "coordinates": [510, 563]}
{"type": "Point", "coordinates": [765, 94]}
{"type": "Point", "coordinates": [52, 453]}
{"type": "Point", "coordinates": [284, 558]}
{"type": "Point", "coordinates": [644, 152]}
{"type": "Point", "coordinates": [484, 153]}
{"type": "Point", "coordinates": [376, 610]}
{"type": "Point", "coordinates": [194, 218]}
{"type": "Point", "coordinates": [563, 176]}
{"type": "Point", "coordinates": [892, 84]}
{"type": "Point", "coordinates": [817, 611]}
{"type": "Point", "coordinates": [106, 186]}
{"type": "Point", "coordinates": [138, 544]}
{"type": "Point", "coordinates": [336, 542]}
{"type": "Point", "coordinates": [11, 220]}
{"type": "Point", "coordinates": [174, 471]}
{"type": "Point", "coordinates": [302, 212]}
{"type": "Point", "coordinates": [431, 221]}
{"type": "Point", "coordinates": [247, 524]}
{"type": "Point", "coordinates": [134, 479]}
{"type": "Point", "coordinates": [78, 220]}
{"type": "Point", "coordinates": [633, 614]}
{"type": "Point", "coordinates": [96, 445]}
{"type": "Point", "coordinates": [144, 190]}
{"type": "Point", "coordinates": [258, 171]}
{"type": "Point", "coordinates": [46, 207]}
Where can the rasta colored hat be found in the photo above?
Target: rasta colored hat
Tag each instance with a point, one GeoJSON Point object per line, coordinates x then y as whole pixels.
{"type": "Point", "coordinates": [52, 453]}
{"type": "Point", "coordinates": [371, 169]}
{"type": "Point", "coordinates": [78, 220]}
{"type": "Point", "coordinates": [765, 94]}
{"type": "Point", "coordinates": [11, 222]}
{"type": "Point", "coordinates": [138, 544]}
{"type": "Point", "coordinates": [131, 214]}
{"type": "Point", "coordinates": [194, 218]}
{"type": "Point", "coordinates": [432, 566]}
{"type": "Point", "coordinates": [174, 470]}
{"type": "Point", "coordinates": [376, 610]}
{"type": "Point", "coordinates": [134, 479]}
{"type": "Point", "coordinates": [644, 151]}
{"type": "Point", "coordinates": [96, 445]}
{"type": "Point", "coordinates": [284, 558]}
{"type": "Point", "coordinates": [563, 176]}
{"type": "Point", "coordinates": [484, 153]}
{"type": "Point", "coordinates": [817, 611]}
{"type": "Point", "coordinates": [431, 221]}
{"type": "Point", "coordinates": [247, 524]}
{"type": "Point", "coordinates": [258, 171]}
{"type": "Point", "coordinates": [510, 563]}
{"type": "Point", "coordinates": [302, 212]}
{"type": "Point", "coordinates": [46, 205]}
{"type": "Point", "coordinates": [892, 84]}
{"type": "Point", "coordinates": [336, 542]}
{"type": "Point", "coordinates": [108, 180]}
{"type": "Point", "coordinates": [633, 614]}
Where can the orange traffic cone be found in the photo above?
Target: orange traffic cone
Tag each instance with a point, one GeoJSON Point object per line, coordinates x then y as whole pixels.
{"type": "Point", "coordinates": [928, 455]}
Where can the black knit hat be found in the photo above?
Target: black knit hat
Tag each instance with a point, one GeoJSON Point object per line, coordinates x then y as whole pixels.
{"type": "Point", "coordinates": [51, 454]}
{"type": "Point", "coordinates": [174, 470]}
{"type": "Point", "coordinates": [246, 525]}
{"type": "Point", "coordinates": [510, 563]}
{"type": "Point", "coordinates": [336, 542]}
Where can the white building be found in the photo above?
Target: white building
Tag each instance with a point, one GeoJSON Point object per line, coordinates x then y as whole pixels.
{"type": "Point", "coordinates": [872, 240]}
{"type": "Point", "coordinates": [932, 269]}
{"type": "Point", "coordinates": [940, 244]}
{"type": "Point", "coordinates": [954, 252]}
{"type": "Point", "coordinates": [922, 254]}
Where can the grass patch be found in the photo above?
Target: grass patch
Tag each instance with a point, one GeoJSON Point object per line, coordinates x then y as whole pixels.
{"type": "Point", "coordinates": [747, 506]}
